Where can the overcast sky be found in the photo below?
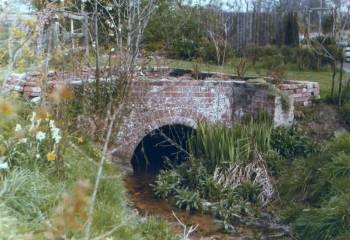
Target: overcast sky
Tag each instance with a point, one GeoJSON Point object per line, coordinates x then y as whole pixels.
{"type": "Point", "coordinates": [16, 5]}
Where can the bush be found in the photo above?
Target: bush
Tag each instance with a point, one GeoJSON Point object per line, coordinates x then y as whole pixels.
{"type": "Point", "coordinates": [248, 191]}
{"type": "Point", "coordinates": [306, 58]}
{"type": "Point", "coordinates": [319, 188]}
{"type": "Point", "coordinates": [345, 113]}
{"type": "Point", "coordinates": [188, 200]}
{"type": "Point", "coordinates": [210, 189]}
{"type": "Point", "coordinates": [291, 143]}
{"type": "Point", "coordinates": [325, 223]}
{"type": "Point", "coordinates": [166, 184]}
{"type": "Point", "coordinates": [231, 208]}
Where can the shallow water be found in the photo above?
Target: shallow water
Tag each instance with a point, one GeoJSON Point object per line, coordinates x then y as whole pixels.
{"type": "Point", "coordinates": [142, 198]}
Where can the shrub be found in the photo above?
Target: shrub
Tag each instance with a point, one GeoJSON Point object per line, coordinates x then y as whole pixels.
{"type": "Point", "coordinates": [230, 208]}
{"type": "Point", "coordinates": [325, 223]}
{"type": "Point", "coordinates": [319, 188]}
{"type": "Point", "coordinates": [248, 191]}
{"type": "Point", "coordinates": [188, 200]}
{"type": "Point", "coordinates": [345, 113]}
{"type": "Point", "coordinates": [210, 189]}
{"type": "Point", "coordinates": [166, 183]}
{"type": "Point", "coordinates": [306, 58]}
{"type": "Point", "coordinates": [291, 143]}
{"type": "Point", "coordinates": [275, 162]}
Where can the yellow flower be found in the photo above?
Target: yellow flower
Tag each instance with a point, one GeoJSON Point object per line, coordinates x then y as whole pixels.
{"type": "Point", "coordinates": [14, 94]}
{"type": "Point", "coordinates": [6, 108]}
{"type": "Point", "coordinates": [41, 113]}
{"type": "Point", "coordinates": [51, 156]}
{"type": "Point", "coordinates": [80, 140]}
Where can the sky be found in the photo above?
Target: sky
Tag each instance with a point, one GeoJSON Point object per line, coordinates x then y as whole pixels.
{"type": "Point", "coordinates": [16, 5]}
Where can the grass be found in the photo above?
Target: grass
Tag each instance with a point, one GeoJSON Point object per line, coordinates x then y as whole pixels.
{"type": "Point", "coordinates": [36, 199]}
{"type": "Point", "coordinates": [218, 145]}
{"type": "Point", "coordinates": [323, 76]}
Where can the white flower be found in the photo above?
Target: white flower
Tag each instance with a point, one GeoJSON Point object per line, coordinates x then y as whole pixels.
{"type": "Point", "coordinates": [56, 135]}
{"type": "Point", "coordinates": [32, 119]}
{"type": "Point", "coordinates": [55, 132]}
{"type": "Point", "coordinates": [40, 136]}
{"type": "Point", "coordinates": [4, 166]}
{"type": "Point", "coordinates": [18, 127]}
{"type": "Point", "coordinates": [23, 140]}
{"type": "Point", "coordinates": [113, 49]}
{"type": "Point", "coordinates": [37, 156]}
{"type": "Point", "coordinates": [52, 123]}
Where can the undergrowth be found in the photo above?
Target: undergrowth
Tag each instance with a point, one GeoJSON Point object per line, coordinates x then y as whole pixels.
{"type": "Point", "coordinates": [39, 202]}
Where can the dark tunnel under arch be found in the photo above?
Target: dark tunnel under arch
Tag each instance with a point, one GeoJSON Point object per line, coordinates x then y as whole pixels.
{"type": "Point", "coordinates": [162, 148]}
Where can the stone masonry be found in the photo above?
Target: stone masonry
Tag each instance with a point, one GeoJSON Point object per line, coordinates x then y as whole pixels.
{"type": "Point", "coordinates": [159, 99]}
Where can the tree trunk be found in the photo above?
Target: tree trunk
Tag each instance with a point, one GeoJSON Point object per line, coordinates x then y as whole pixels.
{"type": "Point", "coordinates": [97, 70]}
{"type": "Point", "coordinates": [333, 79]}
{"type": "Point", "coordinates": [340, 82]}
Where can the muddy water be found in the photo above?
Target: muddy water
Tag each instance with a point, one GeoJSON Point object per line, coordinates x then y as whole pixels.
{"type": "Point", "coordinates": [142, 198]}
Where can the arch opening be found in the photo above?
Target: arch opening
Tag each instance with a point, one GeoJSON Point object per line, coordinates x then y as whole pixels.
{"type": "Point", "coordinates": [162, 148]}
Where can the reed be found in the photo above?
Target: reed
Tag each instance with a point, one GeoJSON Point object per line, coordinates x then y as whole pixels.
{"type": "Point", "coordinates": [219, 145]}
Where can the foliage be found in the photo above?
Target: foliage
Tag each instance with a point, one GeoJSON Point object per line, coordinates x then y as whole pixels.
{"type": "Point", "coordinates": [273, 91]}
{"type": "Point", "coordinates": [248, 191]}
{"type": "Point", "coordinates": [291, 143]}
{"type": "Point", "coordinates": [231, 208]}
{"type": "Point", "coordinates": [166, 184]}
{"type": "Point", "coordinates": [241, 68]}
{"type": "Point", "coordinates": [306, 58]}
{"type": "Point", "coordinates": [210, 189]}
{"type": "Point", "coordinates": [29, 196]}
{"type": "Point", "coordinates": [318, 185]}
{"type": "Point", "coordinates": [217, 145]}
{"type": "Point", "coordinates": [331, 221]}
{"type": "Point", "coordinates": [156, 228]}
{"type": "Point", "coordinates": [38, 204]}
{"type": "Point", "coordinates": [188, 200]}
{"type": "Point", "coordinates": [345, 112]}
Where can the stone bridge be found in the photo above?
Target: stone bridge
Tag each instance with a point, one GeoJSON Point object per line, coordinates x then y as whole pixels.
{"type": "Point", "coordinates": [162, 98]}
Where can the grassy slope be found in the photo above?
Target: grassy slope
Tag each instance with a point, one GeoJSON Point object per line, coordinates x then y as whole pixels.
{"type": "Point", "coordinates": [31, 191]}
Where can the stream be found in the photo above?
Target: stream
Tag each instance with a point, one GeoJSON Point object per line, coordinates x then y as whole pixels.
{"type": "Point", "coordinates": [142, 198]}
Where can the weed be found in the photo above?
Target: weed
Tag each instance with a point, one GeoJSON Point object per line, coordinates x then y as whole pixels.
{"type": "Point", "coordinates": [188, 200]}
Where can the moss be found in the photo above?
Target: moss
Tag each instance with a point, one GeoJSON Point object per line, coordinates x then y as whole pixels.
{"type": "Point", "coordinates": [273, 91]}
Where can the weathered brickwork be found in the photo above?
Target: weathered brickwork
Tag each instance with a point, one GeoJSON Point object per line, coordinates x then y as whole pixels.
{"type": "Point", "coordinates": [159, 99]}
{"type": "Point", "coordinates": [302, 92]}
{"type": "Point", "coordinates": [160, 102]}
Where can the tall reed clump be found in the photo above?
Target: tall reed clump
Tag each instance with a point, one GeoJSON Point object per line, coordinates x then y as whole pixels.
{"type": "Point", "coordinates": [235, 156]}
{"type": "Point", "coordinates": [219, 145]}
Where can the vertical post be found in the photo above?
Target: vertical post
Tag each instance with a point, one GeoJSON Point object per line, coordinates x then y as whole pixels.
{"type": "Point", "coordinates": [320, 18]}
{"type": "Point", "coordinates": [308, 26]}
{"type": "Point", "coordinates": [86, 34]}
{"type": "Point", "coordinates": [72, 31]}
{"type": "Point", "coordinates": [334, 10]}
{"type": "Point", "coordinates": [97, 57]}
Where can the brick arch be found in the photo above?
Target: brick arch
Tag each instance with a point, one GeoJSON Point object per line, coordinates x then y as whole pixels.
{"type": "Point", "coordinates": [145, 127]}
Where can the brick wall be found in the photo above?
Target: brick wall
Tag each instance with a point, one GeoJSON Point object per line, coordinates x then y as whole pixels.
{"type": "Point", "coordinates": [159, 102]}
{"type": "Point", "coordinates": [159, 99]}
{"type": "Point", "coordinates": [302, 92]}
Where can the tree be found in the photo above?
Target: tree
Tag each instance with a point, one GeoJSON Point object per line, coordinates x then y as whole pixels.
{"type": "Point", "coordinates": [291, 29]}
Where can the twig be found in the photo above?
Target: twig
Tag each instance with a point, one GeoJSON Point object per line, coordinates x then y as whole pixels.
{"type": "Point", "coordinates": [186, 232]}
{"type": "Point", "coordinates": [89, 221]}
